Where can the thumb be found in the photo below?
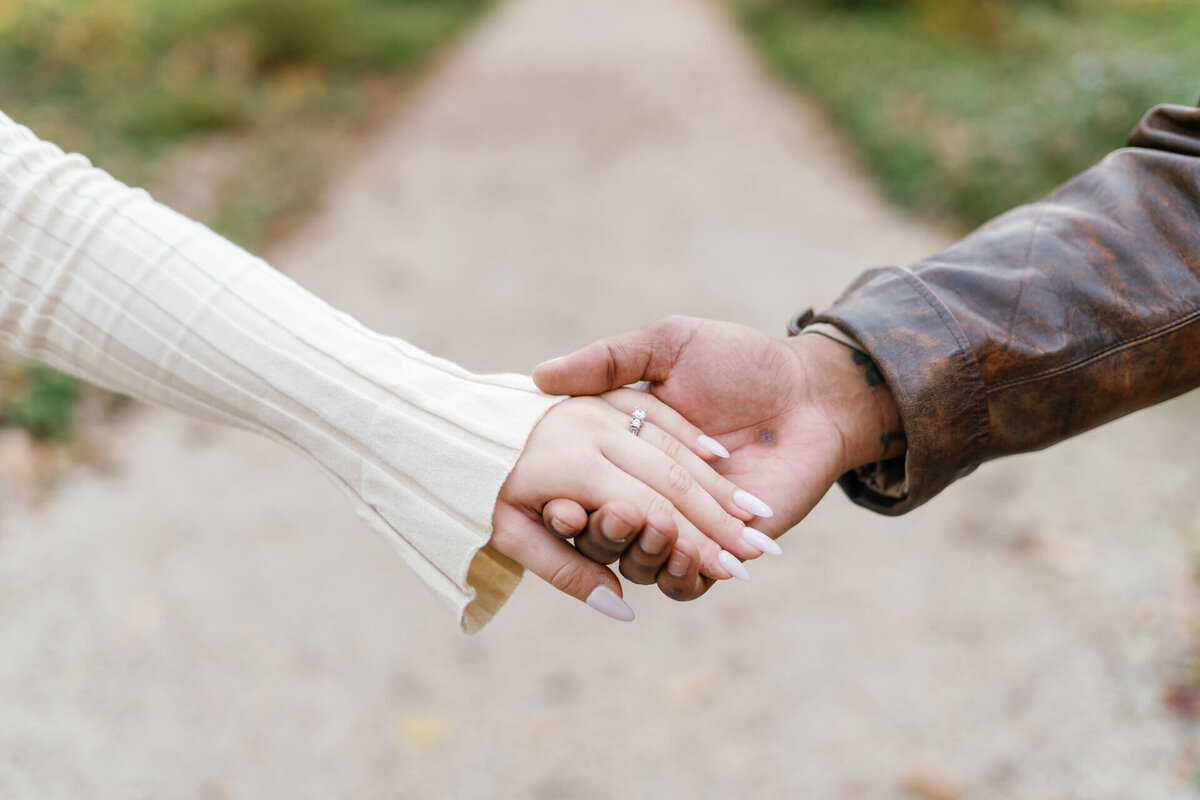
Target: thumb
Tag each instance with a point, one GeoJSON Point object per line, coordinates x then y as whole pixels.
{"type": "Point", "coordinates": [645, 354]}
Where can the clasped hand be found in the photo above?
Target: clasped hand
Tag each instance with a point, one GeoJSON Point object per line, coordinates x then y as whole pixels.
{"type": "Point", "coordinates": [744, 434]}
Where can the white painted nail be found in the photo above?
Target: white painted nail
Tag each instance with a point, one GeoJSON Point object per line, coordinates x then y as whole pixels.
{"type": "Point", "coordinates": [761, 541]}
{"type": "Point", "coordinates": [748, 502]}
{"type": "Point", "coordinates": [610, 604]}
{"type": "Point", "coordinates": [736, 568]}
{"type": "Point", "coordinates": [712, 445]}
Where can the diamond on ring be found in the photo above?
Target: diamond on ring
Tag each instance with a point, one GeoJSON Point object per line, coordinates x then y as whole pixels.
{"type": "Point", "coordinates": [636, 419]}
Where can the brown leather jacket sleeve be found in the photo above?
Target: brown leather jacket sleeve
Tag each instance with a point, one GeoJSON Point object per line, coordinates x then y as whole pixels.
{"type": "Point", "coordinates": [1047, 321]}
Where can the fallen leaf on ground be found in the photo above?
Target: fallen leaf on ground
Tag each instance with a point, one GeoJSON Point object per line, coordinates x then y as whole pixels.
{"type": "Point", "coordinates": [925, 782]}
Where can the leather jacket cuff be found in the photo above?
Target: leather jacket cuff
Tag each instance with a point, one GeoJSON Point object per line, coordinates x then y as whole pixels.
{"type": "Point", "coordinates": [928, 364]}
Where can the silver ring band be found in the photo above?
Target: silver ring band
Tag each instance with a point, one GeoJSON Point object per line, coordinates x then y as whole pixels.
{"type": "Point", "coordinates": [636, 419]}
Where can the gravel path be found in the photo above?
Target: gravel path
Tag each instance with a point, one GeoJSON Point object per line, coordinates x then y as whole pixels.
{"type": "Point", "coordinates": [211, 621]}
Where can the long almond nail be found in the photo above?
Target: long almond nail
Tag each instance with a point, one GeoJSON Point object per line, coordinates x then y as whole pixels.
{"type": "Point", "coordinates": [762, 542]}
{"type": "Point", "coordinates": [610, 604]}
{"type": "Point", "coordinates": [736, 568]}
{"type": "Point", "coordinates": [748, 502]}
{"type": "Point", "coordinates": [712, 445]}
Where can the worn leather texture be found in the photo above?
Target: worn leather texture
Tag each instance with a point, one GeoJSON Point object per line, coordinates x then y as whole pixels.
{"type": "Point", "coordinates": [1045, 322]}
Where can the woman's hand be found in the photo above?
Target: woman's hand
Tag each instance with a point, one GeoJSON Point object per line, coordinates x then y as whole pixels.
{"type": "Point", "coordinates": [582, 457]}
{"type": "Point", "coordinates": [602, 536]}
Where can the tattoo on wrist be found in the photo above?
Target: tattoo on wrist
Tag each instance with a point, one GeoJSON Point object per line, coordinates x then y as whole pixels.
{"type": "Point", "coordinates": [871, 373]}
{"type": "Point", "coordinates": [890, 438]}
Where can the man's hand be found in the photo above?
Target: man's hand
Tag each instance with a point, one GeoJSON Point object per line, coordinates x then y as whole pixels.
{"type": "Point", "coordinates": [794, 414]}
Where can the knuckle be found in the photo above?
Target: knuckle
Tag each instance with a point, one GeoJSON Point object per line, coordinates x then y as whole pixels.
{"type": "Point", "coordinates": [660, 505]}
{"type": "Point", "coordinates": [626, 517]}
{"type": "Point", "coordinates": [679, 479]}
{"type": "Point", "coordinates": [616, 354]}
{"type": "Point", "coordinates": [709, 557]}
{"type": "Point", "coordinates": [672, 447]}
{"type": "Point", "coordinates": [570, 578]}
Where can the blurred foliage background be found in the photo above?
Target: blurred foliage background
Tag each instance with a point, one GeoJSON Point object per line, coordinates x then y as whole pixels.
{"type": "Point", "coordinates": [129, 81]}
{"type": "Point", "coordinates": [966, 108]}
{"type": "Point", "coordinates": [231, 111]}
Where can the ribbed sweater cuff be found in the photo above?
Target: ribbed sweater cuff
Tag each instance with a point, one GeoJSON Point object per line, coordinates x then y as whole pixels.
{"type": "Point", "coordinates": [99, 280]}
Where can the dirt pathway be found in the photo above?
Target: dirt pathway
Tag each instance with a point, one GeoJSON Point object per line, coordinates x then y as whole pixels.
{"type": "Point", "coordinates": [213, 622]}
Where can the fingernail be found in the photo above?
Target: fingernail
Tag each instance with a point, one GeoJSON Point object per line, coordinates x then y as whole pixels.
{"type": "Point", "coordinates": [760, 540]}
{"type": "Point", "coordinates": [736, 568]}
{"type": "Point", "coordinates": [712, 445]}
{"type": "Point", "coordinates": [652, 541]}
{"type": "Point", "coordinates": [678, 564]}
{"type": "Point", "coordinates": [560, 526]}
{"type": "Point", "coordinates": [606, 526]}
{"type": "Point", "coordinates": [610, 604]}
{"type": "Point", "coordinates": [748, 502]}
{"type": "Point", "coordinates": [549, 363]}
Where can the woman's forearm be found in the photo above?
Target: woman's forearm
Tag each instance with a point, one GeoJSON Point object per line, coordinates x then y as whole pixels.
{"type": "Point", "coordinates": [99, 280]}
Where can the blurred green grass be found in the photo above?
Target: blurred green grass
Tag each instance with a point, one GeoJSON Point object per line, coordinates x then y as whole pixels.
{"type": "Point", "coordinates": [268, 88]}
{"type": "Point", "coordinates": [122, 80]}
{"type": "Point", "coordinates": [966, 108]}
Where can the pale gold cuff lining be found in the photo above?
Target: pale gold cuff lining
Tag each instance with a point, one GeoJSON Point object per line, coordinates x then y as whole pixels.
{"type": "Point", "coordinates": [493, 576]}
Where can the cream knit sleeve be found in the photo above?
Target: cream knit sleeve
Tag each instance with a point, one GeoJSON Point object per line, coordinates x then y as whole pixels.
{"type": "Point", "coordinates": [102, 282]}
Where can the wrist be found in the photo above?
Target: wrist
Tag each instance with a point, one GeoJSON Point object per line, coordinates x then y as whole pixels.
{"type": "Point", "coordinates": [847, 387]}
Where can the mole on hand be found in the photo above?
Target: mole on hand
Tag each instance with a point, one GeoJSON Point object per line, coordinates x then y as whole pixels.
{"type": "Point", "coordinates": [766, 436]}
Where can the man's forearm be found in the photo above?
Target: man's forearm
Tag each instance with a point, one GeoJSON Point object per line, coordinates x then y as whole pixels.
{"type": "Point", "coordinates": [1045, 322]}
